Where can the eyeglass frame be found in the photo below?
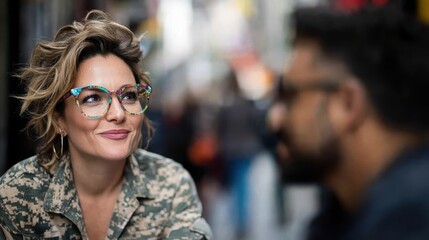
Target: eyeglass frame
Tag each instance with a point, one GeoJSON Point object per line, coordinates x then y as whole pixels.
{"type": "Point", "coordinates": [76, 91]}
{"type": "Point", "coordinates": [288, 91]}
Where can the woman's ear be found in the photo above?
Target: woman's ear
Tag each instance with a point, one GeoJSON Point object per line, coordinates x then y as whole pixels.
{"type": "Point", "coordinates": [349, 106]}
{"type": "Point", "coordinates": [59, 123]}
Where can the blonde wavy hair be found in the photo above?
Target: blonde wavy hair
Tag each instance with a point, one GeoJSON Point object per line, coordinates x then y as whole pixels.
{"type": "Point", "coordinates": [53, 67]}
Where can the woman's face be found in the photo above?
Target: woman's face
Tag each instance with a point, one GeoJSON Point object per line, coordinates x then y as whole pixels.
{"type": "Point", "coordinates": [115, 135]}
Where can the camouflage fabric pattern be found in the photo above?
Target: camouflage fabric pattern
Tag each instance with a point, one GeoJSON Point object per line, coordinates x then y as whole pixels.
{"type": "Point", "coordinates": [158, 200]}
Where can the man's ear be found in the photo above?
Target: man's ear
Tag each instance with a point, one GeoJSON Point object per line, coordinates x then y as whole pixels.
{"type": "Point", "coordinates": [349, 105]}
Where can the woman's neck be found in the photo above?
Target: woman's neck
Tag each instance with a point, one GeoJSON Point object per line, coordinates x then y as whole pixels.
{"type": "Point", "coordinates": [97, 177]}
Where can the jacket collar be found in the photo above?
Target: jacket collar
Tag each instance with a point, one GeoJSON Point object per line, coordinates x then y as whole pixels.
{"type": "Point", "coordinates": [139, 178]}
{"type": "Point", "coordinates": [61, 196]}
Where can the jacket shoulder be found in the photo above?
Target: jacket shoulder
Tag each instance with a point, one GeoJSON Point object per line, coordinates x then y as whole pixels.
{"type": "Point", "coordinates": [23, 185]}
{"type": "Point", "coordinates": [22, 171]}
{"type": "Point", "coordinates": [155, 161]}
{"type": "Point", "coordinates": [22, 189]}
{"type": "Point", "coordinates": [161, 172]}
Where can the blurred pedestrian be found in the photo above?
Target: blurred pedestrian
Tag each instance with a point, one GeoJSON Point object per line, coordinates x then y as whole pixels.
{"type": "Point", "coordinates": [238, 126]}
{"type": "Point", "coordinates": [355, 119]}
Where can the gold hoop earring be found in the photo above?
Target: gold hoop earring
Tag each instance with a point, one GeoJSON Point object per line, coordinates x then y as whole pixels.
{"type": "Point", "coordinates": [62, 146]}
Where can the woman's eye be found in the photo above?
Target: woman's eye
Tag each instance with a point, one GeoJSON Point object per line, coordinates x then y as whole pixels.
{"type": "Point", "coordinates": [91, 99]}
{"type": "Point", "coordinates": [129, 96]}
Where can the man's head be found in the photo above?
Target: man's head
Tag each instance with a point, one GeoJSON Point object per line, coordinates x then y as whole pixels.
{"type": "Point", "coordinates": [344, 70]}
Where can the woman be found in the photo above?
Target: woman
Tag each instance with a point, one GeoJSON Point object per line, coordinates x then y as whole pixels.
{"type": "Point", "coordinates": [89, 180]}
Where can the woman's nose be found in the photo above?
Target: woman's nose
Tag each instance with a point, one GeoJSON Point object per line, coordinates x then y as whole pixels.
{"type": "Point", "coordinates": [115, 112]}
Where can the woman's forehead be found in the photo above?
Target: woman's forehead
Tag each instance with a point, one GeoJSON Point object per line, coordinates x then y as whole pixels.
{"type": "Point", "coordinates": [110, 72]}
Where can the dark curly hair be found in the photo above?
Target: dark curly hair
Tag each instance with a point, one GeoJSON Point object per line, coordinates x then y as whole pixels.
{"type": "Point", "coordinates": [386, 48]}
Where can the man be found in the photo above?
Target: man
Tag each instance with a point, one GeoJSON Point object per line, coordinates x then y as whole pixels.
{"type": "Point", "coordinates": [355, 99]}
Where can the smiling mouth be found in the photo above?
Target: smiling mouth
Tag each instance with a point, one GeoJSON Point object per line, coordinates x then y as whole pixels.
{"type": "Point", "coordinates": [115, 134]}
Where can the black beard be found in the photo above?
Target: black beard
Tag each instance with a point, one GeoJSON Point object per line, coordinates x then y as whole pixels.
{"type": "Point", "coordinates": [304, 167]}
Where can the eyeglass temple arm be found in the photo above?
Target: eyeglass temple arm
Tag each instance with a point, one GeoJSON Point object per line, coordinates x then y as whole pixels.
{"type": "Point", "coordinates": [67, 95]}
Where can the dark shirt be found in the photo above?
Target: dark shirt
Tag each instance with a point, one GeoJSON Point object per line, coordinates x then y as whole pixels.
{"type": "Point", "coordinates": [395, 207]}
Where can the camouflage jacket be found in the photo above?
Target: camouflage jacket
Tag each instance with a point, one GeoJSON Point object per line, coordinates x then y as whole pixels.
{"type": "Point", "coordinates": [158, 200]}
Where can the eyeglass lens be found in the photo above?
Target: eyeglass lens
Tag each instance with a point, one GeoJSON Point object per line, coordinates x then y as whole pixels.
{"type": "Point", "coordinates": [95, 102]}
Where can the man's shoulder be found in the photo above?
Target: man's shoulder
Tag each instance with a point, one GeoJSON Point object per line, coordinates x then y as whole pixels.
{"type": "Point", "coordinates": [402, 187]}
{"type": "Point", "coordinates": [397, 203]}
{"type": "Point", "coordinates": [406, 177]}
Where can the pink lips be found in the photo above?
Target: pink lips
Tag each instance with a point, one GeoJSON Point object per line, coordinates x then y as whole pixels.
{"type": "Point", "coordinates": [116, 134]}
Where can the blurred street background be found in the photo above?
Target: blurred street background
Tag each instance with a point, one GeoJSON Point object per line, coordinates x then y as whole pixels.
{"type": "Point", "coordinates": [213, 66]}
